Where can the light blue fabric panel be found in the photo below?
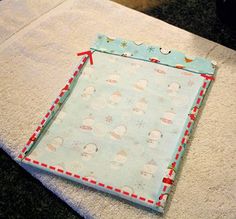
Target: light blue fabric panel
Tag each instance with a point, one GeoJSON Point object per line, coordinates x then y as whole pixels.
{"type": "Point", "coordinates": [139, 50]}
{"type": "Point", "coordinates": [123, 121]}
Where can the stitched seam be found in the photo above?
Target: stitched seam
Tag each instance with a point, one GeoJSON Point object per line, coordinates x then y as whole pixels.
{"type": "Point", "coordinates": [64, 172]}
{"type": "Point", "coordinates": [64, 90]}
{"type": "Point", "coordinates": [93, 182]}
{"type": "Point", "coordinates": [184, 139]}
{"type": "Point", "coordinates": [90, 181]}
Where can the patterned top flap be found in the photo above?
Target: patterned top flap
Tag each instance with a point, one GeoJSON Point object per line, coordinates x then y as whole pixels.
{"type": "Point", "coordinates": [141, 51]}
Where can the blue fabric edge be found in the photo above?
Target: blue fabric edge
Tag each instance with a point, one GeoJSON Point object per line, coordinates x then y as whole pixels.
{"type": "Point", "coordinates": [156, 54]}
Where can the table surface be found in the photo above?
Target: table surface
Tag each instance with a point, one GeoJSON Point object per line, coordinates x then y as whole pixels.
{"type": "Point", "coordinates": [37, 55]}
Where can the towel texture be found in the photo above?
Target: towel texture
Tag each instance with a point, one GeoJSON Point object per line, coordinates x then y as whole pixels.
{"type": "Point", "coordinates": [38, 55]}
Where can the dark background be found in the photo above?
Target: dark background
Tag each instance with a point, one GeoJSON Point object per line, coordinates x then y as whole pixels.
{"type": "Point", "coordinates": [22, 196]}
{"type": "Point", "coordinates": [199, 17]}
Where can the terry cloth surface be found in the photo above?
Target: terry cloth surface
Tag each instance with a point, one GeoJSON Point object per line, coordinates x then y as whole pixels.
{"type": "Point", "coordinates": [36, 61]}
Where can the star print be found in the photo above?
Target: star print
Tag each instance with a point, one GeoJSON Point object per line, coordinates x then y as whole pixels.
{"type": "Point", "coordinates": [123, 44]}
{"type": "Point", "coordinates": [140, 124]}
{"type": "Point", "coordinates": [151, 49]}
{"type": "Point", "coordinates": [108, 119]}
{"type": "Point", "coordinates": [76, 145]}
{"type": "Point", "coordinates": [140, 185]}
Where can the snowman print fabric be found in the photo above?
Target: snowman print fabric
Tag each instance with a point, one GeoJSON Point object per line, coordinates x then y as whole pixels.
{"type": "Point", "coordinates": [125, 124]}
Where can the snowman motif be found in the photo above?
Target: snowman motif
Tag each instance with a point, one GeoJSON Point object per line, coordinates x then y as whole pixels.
{"type": "Point", "coordinates": [140, 85]}
{"type": "Point", "coordinates": [127, 54]}
{"type": "Point", "coordinates": [88, 92]}
{"type": "Point", "coordinates": [118, 132]}
{"type": "Point", "coordinates": [140, 107]}
{"type": "Point", "coordinates": [115, 98]}
{"type": "Point", "coordinates": [149, 170]}
{"type": "Point", "coordinates": [168, 118]}
{"type": "Point", "coordinates": [154, 137]}
{"type": "Point", "coordinates": [165, 51]}
{"type": "Point", "coordinates": [138, 43]}
{"type": "Point", "coordinates": [54, 144]}
{"type": "Point", "coordinates": [113, 79]}
{"type": "Point", "coordinates": [173, 88]}
{"type": "Point", "coordinates": [110, 39]}
{"type": "Point", "coordinates": [89, 151]}
{"type": "Point", "coordinates": [119, 160]}
{"type": "Point", "coordinates": [87, 124]}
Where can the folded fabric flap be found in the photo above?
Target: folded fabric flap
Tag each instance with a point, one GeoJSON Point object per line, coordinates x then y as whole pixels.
{"type": "Point", "coordinates": [139, 50]}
